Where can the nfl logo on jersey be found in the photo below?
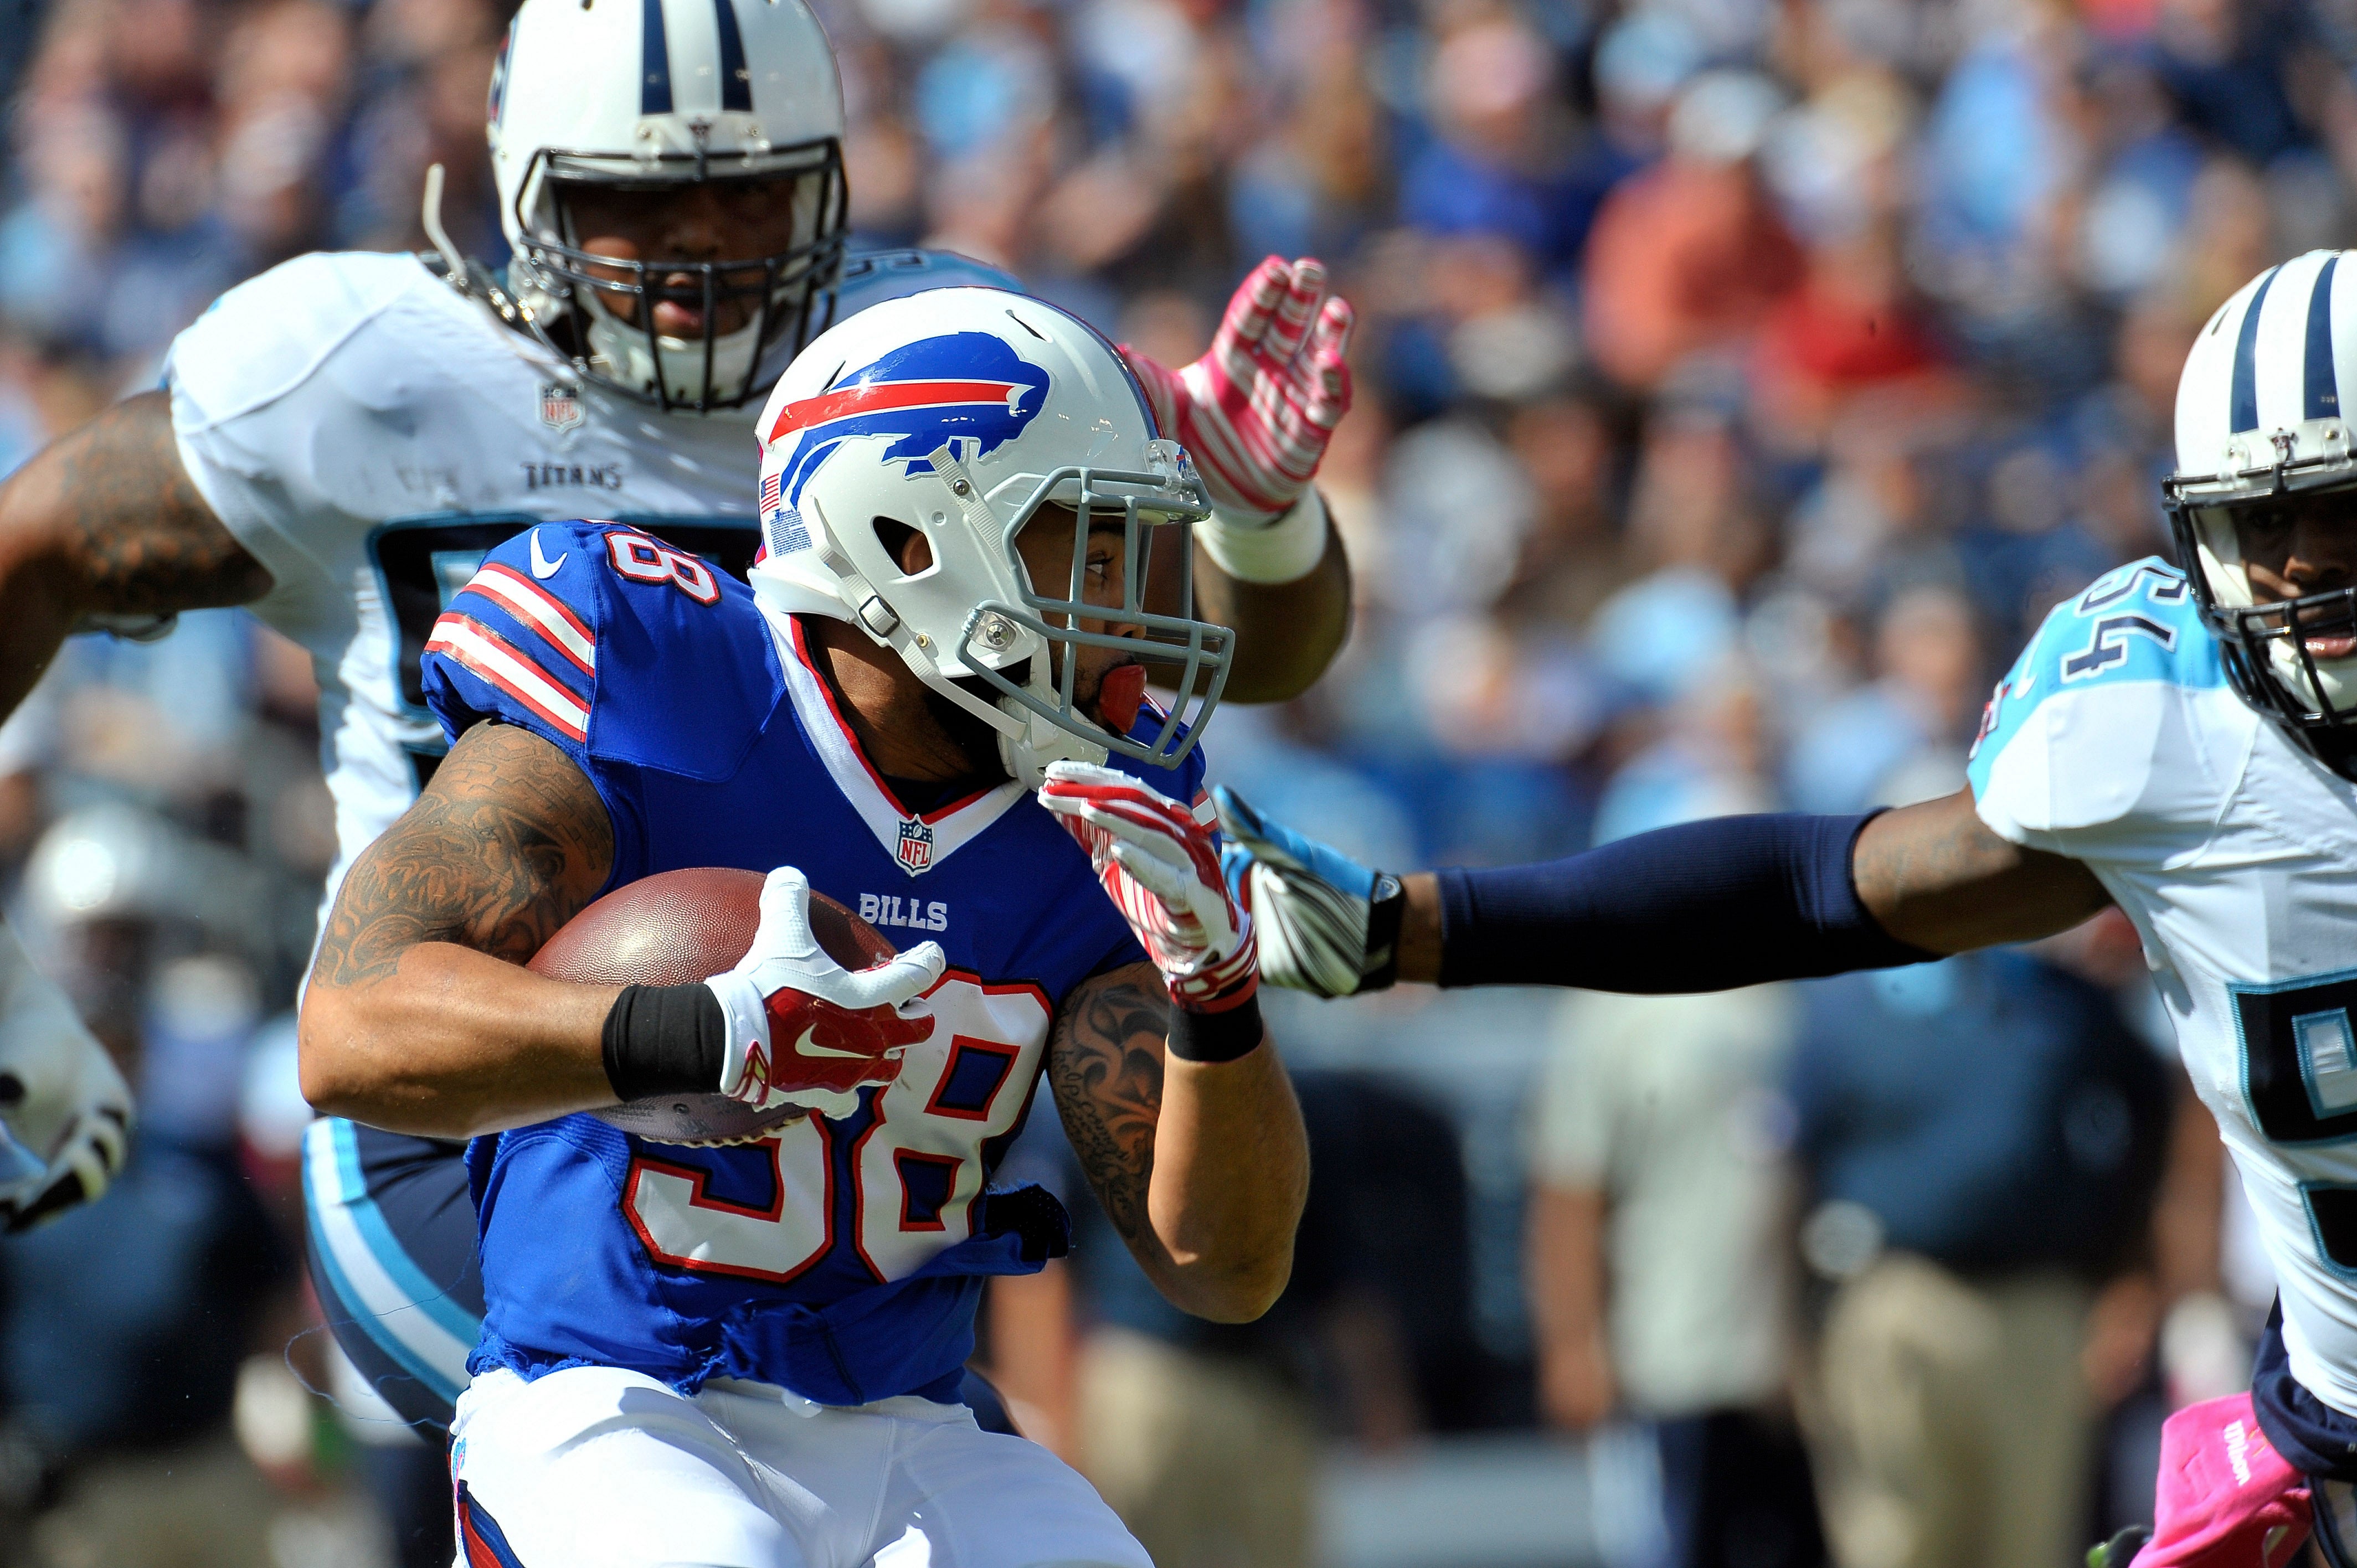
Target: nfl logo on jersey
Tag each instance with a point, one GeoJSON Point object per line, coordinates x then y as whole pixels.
{"type": "Point", "coordinates": [916, 845]}
{"type": "Point", "coordinates": [560, 405]}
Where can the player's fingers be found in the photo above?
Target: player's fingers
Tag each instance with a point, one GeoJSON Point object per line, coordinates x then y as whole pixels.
{"type": "Point", "coordinates": [1244, 824]}
{"type": "Point", "coordinates": [1328, 364]}
{"type": "Point", "coordinates": [898, 979]}
{"type": "Point", "coordinates": [1303, 288]}
{"type": "Point", "coordinates": [785, 914]}
{"type": "Point", "coordinates": [1249, 308]}
{"type": "Point", "coordinates": [1157, 875]}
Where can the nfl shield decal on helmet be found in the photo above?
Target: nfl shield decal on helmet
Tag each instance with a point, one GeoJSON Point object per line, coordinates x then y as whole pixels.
{"type": "Point", "coordinates": [560, 405]}
{"type": "Point", "coordinates": [916, 845]}
{"type": "Point", "coordinates": [962, 386]}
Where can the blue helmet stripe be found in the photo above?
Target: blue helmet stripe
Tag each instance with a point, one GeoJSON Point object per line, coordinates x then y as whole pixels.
{"type": "Point", "coordinates": [2322, 390]}
{"type": "Point", "coordinates": [2244, 407]}
{"type": "Point", "coordinates": [735, 82]}
{"type": "Point", "coordinates": [654, 61]}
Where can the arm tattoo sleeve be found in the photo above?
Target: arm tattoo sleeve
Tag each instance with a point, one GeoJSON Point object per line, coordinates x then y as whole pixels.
{"type": "Point", "coordinates": [506, 844]}
{"type": "Point", "coordinates": [1105, 1061]}
{"type": "Point", "coordinates": [136, 535]}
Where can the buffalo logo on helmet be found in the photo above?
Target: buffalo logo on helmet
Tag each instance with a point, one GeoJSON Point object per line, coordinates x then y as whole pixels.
{"type": "Point", "coordinates": [962, 386]}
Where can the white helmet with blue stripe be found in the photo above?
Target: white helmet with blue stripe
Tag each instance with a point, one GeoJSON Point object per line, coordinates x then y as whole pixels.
{"type": "Point", "coordinates": [597, 101]}
{"type": "Point", "coordinates": [2260, 429]}
{"type": "Point", "coordinates": [959, 415]}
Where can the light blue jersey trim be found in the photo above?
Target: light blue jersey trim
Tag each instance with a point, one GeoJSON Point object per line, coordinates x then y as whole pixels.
{"type": "Point", "coordinates": [2138, 623]}
{"type": "Point", "coordinates": [348, 1196]}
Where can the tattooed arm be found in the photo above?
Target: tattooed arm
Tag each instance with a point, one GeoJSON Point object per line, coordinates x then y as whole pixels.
{"type": "Point", "coordinates": [105, 522]}
{"type": "Point", "coordinates": [419, 1017]}
{"type": "Point", "coordinates": [1933, 876]}
{"type": "Point", "coordinates": [1201, 1166]}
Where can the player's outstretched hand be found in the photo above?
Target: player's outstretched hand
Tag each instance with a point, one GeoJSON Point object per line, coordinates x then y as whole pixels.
{"type": "Point", "coordinates": [1256, 412]}
{"type": "Point", "coordinates": [1161, 868]}
{"type": "Point", "coordinates": [803, 1029]}
{"type": "Point", "coordinates": [1329, 926]}
{"type": "Point", "coordinates": [64, 1106]}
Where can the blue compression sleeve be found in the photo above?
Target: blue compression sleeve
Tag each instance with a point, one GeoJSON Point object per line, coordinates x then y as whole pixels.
{"type": "Point", "coordinates": [1704, 906]}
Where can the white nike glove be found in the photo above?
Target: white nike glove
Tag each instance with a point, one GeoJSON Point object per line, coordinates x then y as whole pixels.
{"type": "Point", "coordinates": [1161, 868]}
{"type": "Point", "coordinates": [62, 1104]}
{"type": "Point", "coordinates": [803, 1029]}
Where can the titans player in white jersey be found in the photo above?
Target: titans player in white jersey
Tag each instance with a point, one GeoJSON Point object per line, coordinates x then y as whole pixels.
{"type": "Point", "coordinates": [2178, 740]}
{"type": "Point", "coordinates": [338, 443]}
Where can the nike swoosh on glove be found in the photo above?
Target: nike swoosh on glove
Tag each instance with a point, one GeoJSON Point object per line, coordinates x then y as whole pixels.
{"type": "Point", "coordinates": [1161, 868]}
{"type": "Point", "coordinates": [1257, 411]}
{"type": "Point", "coordinates": [1329, 926]}
{"type": "Point", "coordinates": [63, 1104]}
{"type": "Point", "coordinates": [803, 1029]}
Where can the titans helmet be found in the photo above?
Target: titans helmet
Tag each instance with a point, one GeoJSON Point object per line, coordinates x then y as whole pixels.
{"type": "Point", "coordinates": [2260, 428]}
{"type": "Point", "coordinates": [593, 104]}
{"type": "Point", "coordinates": [961, 413]}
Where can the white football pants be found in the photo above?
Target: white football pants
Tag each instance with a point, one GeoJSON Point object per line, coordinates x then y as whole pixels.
{"type": "Point", "coordinates": [594, 1468]}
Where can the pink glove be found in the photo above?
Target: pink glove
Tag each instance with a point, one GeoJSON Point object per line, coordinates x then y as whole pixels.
{"type": "Point", "coordinates": [1161, 868]}
{"type": "Point", "coordinates": [2226, 1498]}
{"type": "Point", "coordinates": [1256, 412]}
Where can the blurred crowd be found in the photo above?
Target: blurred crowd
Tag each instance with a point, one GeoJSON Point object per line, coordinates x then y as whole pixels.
{"type": "Point", "coordinates": [1739, 382]}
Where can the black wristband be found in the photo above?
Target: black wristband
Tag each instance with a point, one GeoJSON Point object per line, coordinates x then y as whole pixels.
{"type": "Point", "coordinates": [665, 1039]}
{"type": "Point", "coordinates": [1385, 909]}
{"type": "Point", "coordinates": [1216, 1036]}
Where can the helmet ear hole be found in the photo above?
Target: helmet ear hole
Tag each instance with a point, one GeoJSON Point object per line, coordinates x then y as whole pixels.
{"type": "Point", "coordinates": [906, 547]}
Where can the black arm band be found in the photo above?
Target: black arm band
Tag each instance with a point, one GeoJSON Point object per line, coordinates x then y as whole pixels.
{"type": "Point", "coordinates": [665, 1039]}
{"type": "Point", "coordinates": [1216, 1036]}
{"type": "Point", "coordinates": [1704, 906]}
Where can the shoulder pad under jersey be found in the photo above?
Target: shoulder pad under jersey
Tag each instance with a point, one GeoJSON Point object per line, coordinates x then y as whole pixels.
{"type": "Point", "coordinates": [2115, 718]}
{"type": "Point", "coordinates": [611, 644]}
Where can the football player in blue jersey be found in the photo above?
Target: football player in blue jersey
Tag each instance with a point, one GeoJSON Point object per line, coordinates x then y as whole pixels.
{"type": "Point", "coordinates": [338, 441]}
{"type": "Point", "coordinates": [2178, 740]}
{"type": "Point", "coordinates": [930, 701]}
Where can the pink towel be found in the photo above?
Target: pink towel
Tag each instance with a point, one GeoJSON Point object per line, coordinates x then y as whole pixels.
{"type": "Point", "coordinates": [2226, 1498]}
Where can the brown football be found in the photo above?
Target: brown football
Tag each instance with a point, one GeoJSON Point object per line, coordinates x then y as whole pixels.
{"type": "Point", "coordinates": [675, 927]}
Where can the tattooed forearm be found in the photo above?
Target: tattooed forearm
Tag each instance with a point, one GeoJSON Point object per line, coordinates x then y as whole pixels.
{"type": "Point", "coordinates": [1105, 1061]}
{"type": "Point", "coordinates": [128, 526]}
{"type": "Point", "coordinates": [506, 844]}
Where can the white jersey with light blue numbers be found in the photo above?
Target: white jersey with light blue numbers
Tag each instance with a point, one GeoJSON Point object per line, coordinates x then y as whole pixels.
{"type": "Point", "coordinates": [2116, 741]}
{"type": "Point", "coordinates": [369, 434]}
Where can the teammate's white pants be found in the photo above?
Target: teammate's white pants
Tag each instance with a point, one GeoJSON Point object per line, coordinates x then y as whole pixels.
{"type": "Point", "coordinates": [593, 1467]}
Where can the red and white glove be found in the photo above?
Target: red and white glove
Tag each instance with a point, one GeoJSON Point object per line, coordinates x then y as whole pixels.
{"type": "Point", "coordinates": [803, 1029]}
{"type": "Point", "coordinates": [1256, 412]}
{"type": "Point", "coordinates": [65, 1111]}
{"type": "Point", "coordinates": [1161, 868]}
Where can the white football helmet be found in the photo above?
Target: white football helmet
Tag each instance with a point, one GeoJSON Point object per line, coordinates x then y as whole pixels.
{"type": "Point", "coordinates": [958, 413]}
{"type": "Point", "coordinates": [661, 96]}
{"type": "Point", "coordinates": [2260, 424]}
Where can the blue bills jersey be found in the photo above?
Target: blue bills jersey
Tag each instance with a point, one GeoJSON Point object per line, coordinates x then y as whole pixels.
{"type": "Point", "coordinates": [843, 1258]}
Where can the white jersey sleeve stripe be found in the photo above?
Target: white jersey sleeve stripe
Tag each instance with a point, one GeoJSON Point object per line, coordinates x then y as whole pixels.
{"type": "Point", "coordinates": [521, 597]}
{"type": "Point", "coordinates": [497, 660]}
